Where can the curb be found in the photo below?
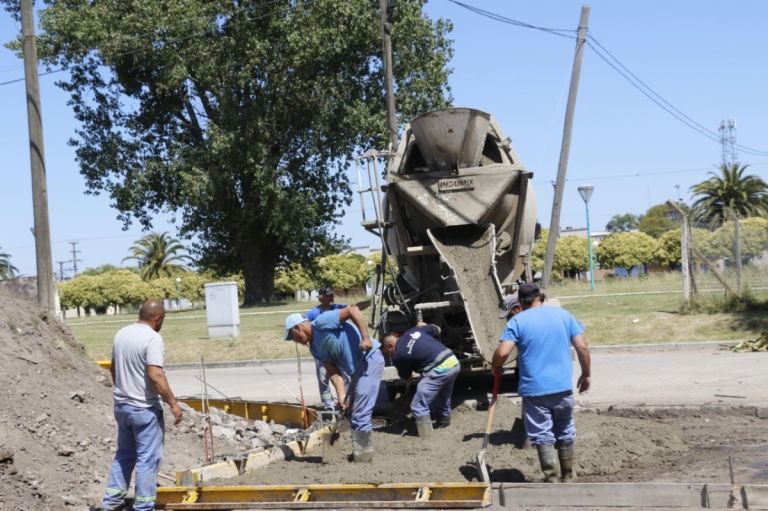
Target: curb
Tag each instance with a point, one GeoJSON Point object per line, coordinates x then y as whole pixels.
{"type": "Point", "coordinates": [619, 348]}
{"type": "Point", "coordinates": [674, 346]}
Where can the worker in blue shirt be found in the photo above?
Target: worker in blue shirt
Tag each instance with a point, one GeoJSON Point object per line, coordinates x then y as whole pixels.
{"type": "Point", "coordinates": [543, 337]}
{"type": "Point", "coordinates": [326, 299]}
{"type": "Point", "coordinates": [418, 350]}
{"type": "Point", "coordinates": [340, 340]}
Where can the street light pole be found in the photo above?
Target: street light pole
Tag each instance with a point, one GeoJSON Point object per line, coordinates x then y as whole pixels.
{"type": "Point", "coordinates": [586, 193]}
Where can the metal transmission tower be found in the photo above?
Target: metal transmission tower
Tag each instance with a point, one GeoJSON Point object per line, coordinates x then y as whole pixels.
{"type": "Point", "coordinates": [61, 269]}
{"type": "Point", "coordinates": [74, 259]}
{"type": "Point", "coordinates": [727, 131]}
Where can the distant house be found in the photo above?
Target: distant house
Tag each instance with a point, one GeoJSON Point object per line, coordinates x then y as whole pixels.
{"type": "Point", "coordinates": [581, 232]}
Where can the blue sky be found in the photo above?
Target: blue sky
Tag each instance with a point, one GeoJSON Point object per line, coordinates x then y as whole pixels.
{"type": "Point", "coordinates": [706, 58]}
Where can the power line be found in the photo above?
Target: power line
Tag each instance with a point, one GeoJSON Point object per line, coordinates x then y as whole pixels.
{"type": "Point", "coordinates": [603, 53]}
{"type": "Point", "coordinates": [656, 173]}
{"type": "Point", "coordinates": [562, 32]}
{"type": "Point", "coordinates": [613, 62]}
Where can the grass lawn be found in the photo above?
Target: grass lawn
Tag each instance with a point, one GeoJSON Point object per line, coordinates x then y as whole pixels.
{"type": "Point", "coordinates": [653, 313]}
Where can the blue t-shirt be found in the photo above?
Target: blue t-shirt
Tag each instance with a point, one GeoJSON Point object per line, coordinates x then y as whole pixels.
{"type": "Point", "coordinates": [417, 350]}
{"type": "Point", "coordinates": [543, 336]}
{"type": "Point", "coordinates": [316, 311]}
{"type": "Point", "coordinates": [338, 343]}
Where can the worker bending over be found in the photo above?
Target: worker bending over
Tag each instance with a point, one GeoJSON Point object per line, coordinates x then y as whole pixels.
{"type": "Point", "coordinates": [418, 350]}
{"type": "Point", "coordinates": [325, 297]}
{"type": "Point", "coordinates": [339, 339]}
{"type": "Point", "coordinates": [544, 336]}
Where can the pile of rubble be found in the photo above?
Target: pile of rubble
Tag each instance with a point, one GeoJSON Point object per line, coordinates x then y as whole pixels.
{"type": "Point", "coordinates": [245, 434]}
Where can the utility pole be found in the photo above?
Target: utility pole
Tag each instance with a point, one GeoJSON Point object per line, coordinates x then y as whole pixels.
{"type": "Point", "coordinates": [45, 284]}
{"type": "Point", "coordinates": [61, 269]}
{"type": "Point", "coordinates": [386, 37]}
{"type": "Point", "coordinates": [554, 223]}
{"type": "Point", "coordinates": [75, 260]}
{"type": "Point", "coordinates": [685, 258]}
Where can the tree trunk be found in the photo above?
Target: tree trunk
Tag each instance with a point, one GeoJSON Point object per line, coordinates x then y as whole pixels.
{"type": "Point", "coordinates": [259, 273]}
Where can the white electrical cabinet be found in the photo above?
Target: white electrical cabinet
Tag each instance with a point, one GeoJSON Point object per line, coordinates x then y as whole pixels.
{"type": "Point", "coordinates": [222, 309]}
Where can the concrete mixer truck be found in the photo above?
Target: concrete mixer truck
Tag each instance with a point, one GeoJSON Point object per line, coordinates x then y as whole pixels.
{"type": "Point", "coordinates": [455, 211]}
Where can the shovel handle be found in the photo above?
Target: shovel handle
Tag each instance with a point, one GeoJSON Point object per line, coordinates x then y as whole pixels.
{"type": "Point", "coordinates": [496, 384]}
{"type": "Point", "coordinates": [492, 406]}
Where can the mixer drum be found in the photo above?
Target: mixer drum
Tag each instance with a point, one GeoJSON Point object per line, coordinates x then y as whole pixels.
{"type": "Point", "coordinates": [461, 220]}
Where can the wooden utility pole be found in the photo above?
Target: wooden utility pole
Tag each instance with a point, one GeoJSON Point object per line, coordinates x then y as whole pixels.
{"type": "Point", "coordinates": [685, 258]}
{"type": "Point", "coordinates": [386, 37]}
{"type": "Point", "coordinates": [712, 268]}
{"type": "Point", "coordinates": [554, 223]}
{"type": "Point", "coordinates": [737, 249]}
{"type": "Point", "coordinates": [45, 284]}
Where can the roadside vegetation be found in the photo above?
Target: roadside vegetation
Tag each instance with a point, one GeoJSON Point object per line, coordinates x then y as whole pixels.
{"type": "Point", "coordinates": [620, 311]}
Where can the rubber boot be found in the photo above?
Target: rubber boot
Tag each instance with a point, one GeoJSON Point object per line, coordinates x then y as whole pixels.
{"type": "Point", "coordinates": [548, 461]}
{"type": "Point", "coordinates": [424, 426]}
{"type": "Point", "coordinates": [362, 447]}
{"type": "Point", "coordinates": [443, 421]}
{"type": "Point", "coordinates": [565, 455]}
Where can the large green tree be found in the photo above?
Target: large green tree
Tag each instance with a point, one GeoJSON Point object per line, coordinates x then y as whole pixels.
{"type": "Point", "coordinates": [158, 255]}
{"type": "Point", "coordinates": [626, 250]}
{"type": "Point", "coordinates": [571, 255]}
{"type": "Point", "coordinates": [729, 193]}
{"type": "Point", "coordinates": [668, 252]}
{"type": "Point", "coordinates": [657, 220]}
{"type": "Point", "coordinates": [753, 239]}
{"type": "Point", "coordinates": [343, 271]}
{"type": "Point", "coordinates": [623, 223]}
{"type": "Point", "coordinates": [238, 117]}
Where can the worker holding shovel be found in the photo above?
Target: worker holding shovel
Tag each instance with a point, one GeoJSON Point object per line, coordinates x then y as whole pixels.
{"type": "Point", "coordinates": [325, 297]}
{"type": "Point", "coordinates": [339, 339]}
{"type": "Point", "coordinates": [418, 350]}
{"type": "Point", "coordinates": [544, 336]}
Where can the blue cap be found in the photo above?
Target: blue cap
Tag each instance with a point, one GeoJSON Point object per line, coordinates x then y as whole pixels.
{"type": "Point", "coordinates": [509, 302]}
{"type": "Point", "coordinates": [291, 321]}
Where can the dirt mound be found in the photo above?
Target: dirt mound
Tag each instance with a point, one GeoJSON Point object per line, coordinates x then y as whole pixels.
{"type": "Point", "coordinates": [57, 432]}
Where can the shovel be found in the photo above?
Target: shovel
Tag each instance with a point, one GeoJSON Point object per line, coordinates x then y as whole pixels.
{"type": "Point", "coordinates": [481, 467]}
{"type": "Point", "coordinates": [330, 446]}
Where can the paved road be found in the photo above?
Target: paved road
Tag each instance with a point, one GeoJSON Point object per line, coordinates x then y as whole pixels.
{"type": "Point", "coordinates": [661, 375]}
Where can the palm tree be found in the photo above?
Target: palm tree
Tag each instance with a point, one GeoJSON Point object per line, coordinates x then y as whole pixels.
{"type": "Point", "coordinates": [731, 195]}
{"type": "Point", "coordinates": [728, 194]}
{"type": "Point", "coordinates": [7, 270]}
{"type": "Point", "coordinates": [159, 255]}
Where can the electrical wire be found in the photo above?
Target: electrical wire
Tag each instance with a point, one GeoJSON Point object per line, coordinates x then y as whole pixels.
{"type": "Point", "coordinates": [613, 62]}
{"type": "Point", "coordinates": [602, 52]}
{"type": "Point", "coordinates": [562, 32]}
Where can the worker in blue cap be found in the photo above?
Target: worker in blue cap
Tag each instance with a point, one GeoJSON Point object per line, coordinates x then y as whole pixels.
{"type": "Point", "coordinates": [340, 340]}
{"type": "Point", "coordinates": [326, 299]}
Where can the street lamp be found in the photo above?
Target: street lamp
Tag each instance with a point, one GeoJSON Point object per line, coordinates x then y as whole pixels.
{"type": "Point", "coordinates": [586, 193]}
{"type": "Point", "coordinates": [178, 301]}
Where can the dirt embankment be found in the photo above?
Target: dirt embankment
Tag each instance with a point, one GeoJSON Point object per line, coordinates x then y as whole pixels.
{"type": "Point", "coordinates": [57, 432]}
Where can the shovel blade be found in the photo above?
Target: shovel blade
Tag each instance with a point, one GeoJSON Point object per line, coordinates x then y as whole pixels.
{"type": "Point", "coordinates": [330, 449]}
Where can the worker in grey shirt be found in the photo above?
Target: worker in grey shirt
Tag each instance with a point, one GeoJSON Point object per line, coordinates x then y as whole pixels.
{"type": "Point", "coordinates": [139, 383]}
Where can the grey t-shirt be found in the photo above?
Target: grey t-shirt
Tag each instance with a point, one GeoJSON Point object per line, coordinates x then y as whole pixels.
{"type": "Point", "coordinates": [135, 347]}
